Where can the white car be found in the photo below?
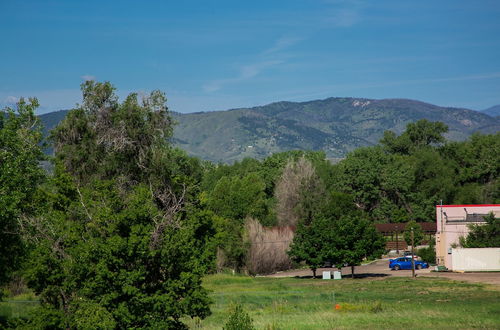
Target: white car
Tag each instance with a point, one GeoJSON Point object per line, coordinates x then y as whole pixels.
{"type": "Point", "coordinates": [407, 254]}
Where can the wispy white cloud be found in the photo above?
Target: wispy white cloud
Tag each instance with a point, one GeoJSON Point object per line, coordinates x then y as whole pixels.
{"type": "Point", "coordinates": [281, 44]}
{"type": "Point", "coordinates": [268, 58]}
{"type": "Point", "coordinates": [11, 99]}
{"type": "Point", "coordinates": [87, 77]}
{"type": "Point", "coordinates": [246, 72]}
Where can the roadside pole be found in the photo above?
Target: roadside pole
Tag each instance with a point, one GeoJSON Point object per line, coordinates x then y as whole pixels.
{"type": "Point", "coordinates": [412, 256]}
{"type": "Point", "coordinates": [397, 240]}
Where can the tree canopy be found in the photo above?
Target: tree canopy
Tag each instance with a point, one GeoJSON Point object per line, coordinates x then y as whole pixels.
{"type": "Point", "coordinates": [119, 237]}
{"type": "Point", "coordinates": [483, 235]}
{"type": "Point", "coordinates": [418, 234]}
{"type": "Point", "coordinates": [337, 233]}
{"type": "Point", "coordinates": [20, 175]}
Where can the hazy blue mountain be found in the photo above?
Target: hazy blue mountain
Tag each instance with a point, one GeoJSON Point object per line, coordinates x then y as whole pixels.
{"type": "Point", "coordinates": [494, 111]}
{"type": "Point", "coordinates": [335, 125]}
{"type": "Point", "coordinates": [51, 119]}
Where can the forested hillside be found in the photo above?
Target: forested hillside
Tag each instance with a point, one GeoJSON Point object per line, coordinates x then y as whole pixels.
{"type": "Point", "coordinates": [334, 125]}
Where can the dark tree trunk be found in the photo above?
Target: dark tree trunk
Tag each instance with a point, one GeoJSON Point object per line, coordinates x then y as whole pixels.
{"type": "Point", "coordinates": [352, 271]}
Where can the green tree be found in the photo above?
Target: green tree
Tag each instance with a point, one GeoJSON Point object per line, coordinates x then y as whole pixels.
{"type": "Point", "coordinates": [358, 240]}
{"type": "Point", "coordinates": [128, 141]}
{"type": "Point", "coordinates": [20, 175]}
{"type": "Point", "coordinates": [338, 233]}
{"type": "Point", "coordinates": [104, 254]}
{"type": "Point", "coordinates": [120, 235]}
{"type": "Point", "coordinates": [428, 254]}
{"type": "Point", "coordinates": [477, 169]}
{"type": "Point", "coordinates": [233, 200]}
{"type": "Point", "coordinates": [404, 177]}
{"type": "Point", "coordinates": [237, 198]}
{"type": "Point", "coordinates": [231, 247]}
{"type": "Point", "coordinates": [483, 235]}
{"type": "Point", "coordinates": [307, 247]}
{"type": "Point", "coordinates": [418, 233]}
{"type": "Point", "coordinates": [360, 176]}
{"type": "Point", "coordinates": [417, 135]}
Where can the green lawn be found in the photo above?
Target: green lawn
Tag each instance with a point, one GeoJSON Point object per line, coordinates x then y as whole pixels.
{"type": "Point", "coordinates": [290, 303]}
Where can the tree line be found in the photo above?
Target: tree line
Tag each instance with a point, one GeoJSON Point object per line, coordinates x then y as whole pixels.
{"type": "Point", "coordinates": [120, 233]}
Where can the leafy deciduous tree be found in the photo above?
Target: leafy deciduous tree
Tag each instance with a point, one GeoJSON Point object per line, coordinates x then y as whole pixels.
{"type": "Point", "coordinates": [418, 233]}
{"type": "Point", "coordinates": [120, 239]}
{"type": "Point", "coordinates": [483, 235]}
{"type": "Point", "coordinates": [94, 257]}
{"type": "Point", "coordinates": [236, 198]}
{"type": "Point", "coordinates": [338, 233]}
{"type": "Point", "coordinates": [20, 175]}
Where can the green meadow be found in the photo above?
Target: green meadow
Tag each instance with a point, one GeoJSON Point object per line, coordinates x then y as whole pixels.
{"type": "Point", "coordinates": [293, 303]}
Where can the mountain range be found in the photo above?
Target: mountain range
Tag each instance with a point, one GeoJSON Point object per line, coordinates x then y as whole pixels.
{"type": "Point", "coordinates": [494, 111]}
{"type": "Point", "coordinates": [335, 125]}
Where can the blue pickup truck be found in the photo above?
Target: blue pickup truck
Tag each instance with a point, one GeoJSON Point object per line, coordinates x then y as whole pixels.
{"type": "Point", "coordinates": [405, 263]}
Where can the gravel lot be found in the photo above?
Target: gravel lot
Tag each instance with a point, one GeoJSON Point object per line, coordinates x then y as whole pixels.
{"type": "Point", "coordinates": [380, 269]}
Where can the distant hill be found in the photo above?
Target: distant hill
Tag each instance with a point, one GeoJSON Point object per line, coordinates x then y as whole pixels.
{"type": "Point", "coordinates": [494, 111]}
{"type": "Point", "coordinates": [51, 119]}
{"type": "Point", "coordinates": [335, 125]}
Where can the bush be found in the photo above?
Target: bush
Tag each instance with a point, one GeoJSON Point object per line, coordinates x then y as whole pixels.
{"type": "Point", "coordinates": [90, 315]}
{"type": "Point", "coordinates": [239, 320]}
{"type": "Point", "coordinates": [427, 254]}
{"type": "Point", "coordinates": [267, 252]}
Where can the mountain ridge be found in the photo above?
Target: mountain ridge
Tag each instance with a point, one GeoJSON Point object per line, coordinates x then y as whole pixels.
{"type": "Point", "coordinates": [336, 125]}
{"type": "Point", "coordinates": [493, 111]}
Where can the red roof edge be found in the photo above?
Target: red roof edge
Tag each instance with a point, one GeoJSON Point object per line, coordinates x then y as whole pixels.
{"type": "Point", "coordinates": [469, 205]}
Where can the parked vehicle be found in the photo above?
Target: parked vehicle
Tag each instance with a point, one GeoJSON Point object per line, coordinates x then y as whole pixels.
{"type": "Point", "coordinates": [405, 263]}
{"type": "Point", "coordinates": [407, 254]}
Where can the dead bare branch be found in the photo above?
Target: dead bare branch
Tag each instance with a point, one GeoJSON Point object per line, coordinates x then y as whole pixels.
{"type": "Point", "coordinates": [171, 206]}
{"type": "Point", "coordinates": [37, 229]}
{"type": "Point", "coordinates": [83, 204]}
{"type": "Point", "coordinates": [288, 190]}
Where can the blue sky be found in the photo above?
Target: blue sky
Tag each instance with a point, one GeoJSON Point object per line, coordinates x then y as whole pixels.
{"type": "Point", "coordinates": [216, 55]}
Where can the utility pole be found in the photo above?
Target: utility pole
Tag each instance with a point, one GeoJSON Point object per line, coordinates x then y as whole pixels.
{"type": "Point", "coordinates": [412, 258]}
{"type": "Point", "coordinates": [397, 240]}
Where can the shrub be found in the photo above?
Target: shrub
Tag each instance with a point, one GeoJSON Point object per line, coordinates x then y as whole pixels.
{"type": "Point", "coordinates": [268, 248]}
{"type": "Point", "coordinates": [428, 254]}
{"type": "Point", "coordinates": [239, 320]}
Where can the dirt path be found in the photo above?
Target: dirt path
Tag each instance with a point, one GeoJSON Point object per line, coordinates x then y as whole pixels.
{"type": "Point", "coordinates": [380, 269]}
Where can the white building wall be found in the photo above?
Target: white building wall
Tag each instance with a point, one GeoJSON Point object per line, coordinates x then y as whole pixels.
{"type": "Point", "coordinates": [476, 259]}
{"type": "Point", "coordinates": [449, 230]}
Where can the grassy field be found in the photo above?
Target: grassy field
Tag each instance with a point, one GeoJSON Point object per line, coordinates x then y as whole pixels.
{"type": "Point", "coordinates": [290, 303]}
{"type": "Point", "coordinates": [18, 306]}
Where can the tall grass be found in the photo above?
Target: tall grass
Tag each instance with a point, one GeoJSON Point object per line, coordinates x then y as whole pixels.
{"type": "Point", "coordinates": [292, 303]}
{"type": "Point", "coordinates": [268, 248]}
